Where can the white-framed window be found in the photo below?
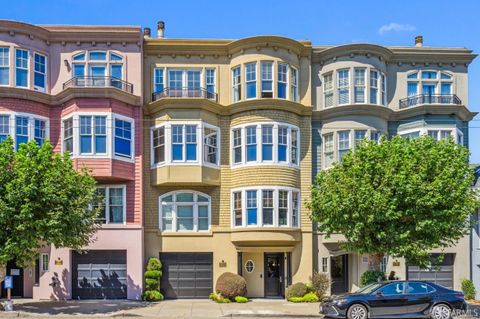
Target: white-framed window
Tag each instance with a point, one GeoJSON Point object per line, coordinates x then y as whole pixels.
{"type": "Point", "coordinates": [282, 80]}
{"type": "Point", "coordinates": [434, 86]}
{"type": "Point", "coordinates": [440, 134]}
{"type": "Point", "coordinates": [23, 127]}
{"type": "Point", "coordinates": [324, 264]}
{"type": "Point", "coordinates": [359, 90]}
{"type": "Point", "coordinates": [21, 68]}
{"type": "Point", "coordinates": [267, 79]}
{"type": "Point", "coordinates": [374, 80]}
{"type": "Point", "coordinates": [185, 143]}
{"type": "Point", "coordinates": [359, 136]}
{"type": "Point", "coordinates": [210, 83]}
{"type": "Point", "coordinates": [158, 80]}
{"type": "Point", "coordinates": [251, 80]}
{"type": "Point", "coordinates": [343, 143]}
{"type": "Point", "coordinates": [375, 136]}
{"type": "Point", "coordinates": [328, 89]}
{"type": "Point", "coordinates": [343, 86]}
{"type": "Point", "coordinates": [184, 211]}
{"type": "Point", "coordinates": [236, 84]}
{"type": "Point", "coordinates": [265, 207]}
{"type": "Point", "coordinates": [98, 134]}
{"type": "Point", "coordinates": [413, 134]}
{"type": "Point", "coordinates": [249, 266]}
{"type": "Point", "coordinates": [437, 132]}
{"type": "Point", "coordinates": [44, 260]}
{"type": "Point", "coordinates": [112, 203]}
{"type": "Point", "coordinates": [265, 143]}
{"type": "Point", "coordinates": [4, 66]}
{"type": "Point", "coordinates": [40, 72]}
{"type": "Point", "coordinates": [328, 149]}
{"type": "Point", "coordinates": [294, 84]}
{"type": "Point", "coordinates": [91, 68]}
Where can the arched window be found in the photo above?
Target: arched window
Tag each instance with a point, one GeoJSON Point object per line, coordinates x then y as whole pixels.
{"type": "Point", "coordinates": [184, 211]}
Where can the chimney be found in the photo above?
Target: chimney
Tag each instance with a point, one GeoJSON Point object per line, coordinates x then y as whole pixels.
{"type": "Point", "coordinates": [160, 29]}
{"type": "Point", "coordinates": [419, 41]}
{"type": "Point", "coordinates": [147, 33]}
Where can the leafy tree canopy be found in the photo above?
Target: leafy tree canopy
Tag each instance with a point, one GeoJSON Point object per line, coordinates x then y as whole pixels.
{"type": "Point", "coordinates": [43, 201]}
{"type": "Point", "coordinates": [401, 197]}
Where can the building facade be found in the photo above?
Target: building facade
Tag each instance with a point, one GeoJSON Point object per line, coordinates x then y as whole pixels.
{"type": "Point", "coordinates": [228, 162]}
{"type": "Point", "coordinates": [80, 87]}
{"type": "Point", "coordinates": [364, 90]}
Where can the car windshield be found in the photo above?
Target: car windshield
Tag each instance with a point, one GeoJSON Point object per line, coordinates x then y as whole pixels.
{"type": "Point", "coordinates": [369, 289]}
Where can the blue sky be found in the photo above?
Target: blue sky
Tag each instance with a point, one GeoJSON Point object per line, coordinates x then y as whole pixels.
{"type": "Point", "coordinates": [441, 22]}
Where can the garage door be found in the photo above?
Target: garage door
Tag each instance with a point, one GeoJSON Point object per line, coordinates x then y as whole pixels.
{"type": "Point", "coordinates": [99, 274]}
{"type": "Point", "coordinates": [187, 275]}
{"type": "Point", "coordinates": [441, 274]}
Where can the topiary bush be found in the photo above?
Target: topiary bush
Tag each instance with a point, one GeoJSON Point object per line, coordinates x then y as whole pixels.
{"type": "Point", "coordinates": [320, 284]}
{"type": "Point", "coordinates": [298, 289]}
{"type": "Point", "coordinates": [468, 289]}
{"type": "Point", "coordinates": [231, 285]}
{"type": "Point", "coordinates": [310, 297]}
{"type": "Point", "coordinates": [371, 276]}
{"type": "Point", "coordinates": [241, 299]}
{"type": "Point", "coordinates": [152, 280]}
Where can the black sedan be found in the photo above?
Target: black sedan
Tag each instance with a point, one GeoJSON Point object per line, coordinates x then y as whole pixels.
{"type": "Point", "coordinates": [414, 299]}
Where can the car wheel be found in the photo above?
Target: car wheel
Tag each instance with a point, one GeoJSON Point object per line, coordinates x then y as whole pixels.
{"type": "Point", "coordinates": [357, 312]}
{"type": "Point", "coordinates": [441, 311]}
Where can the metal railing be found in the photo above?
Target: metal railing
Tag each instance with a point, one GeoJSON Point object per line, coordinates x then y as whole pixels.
{"type": "Point", "coordinates": [429, 99]}
{"type": "Point", "coordinates": [185, 92]}
{"type": "Point", "coordinates": [98, 81]}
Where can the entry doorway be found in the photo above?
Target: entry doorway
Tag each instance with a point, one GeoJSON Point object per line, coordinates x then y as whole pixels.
{"type": "Point", "coordinates": [17, 276]}
{"type": "Point", "coordinates": [274, 275]}
{"type": "Point", "coordinates": [339, 274]}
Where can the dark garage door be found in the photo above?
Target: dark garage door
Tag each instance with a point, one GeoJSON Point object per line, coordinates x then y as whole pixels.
{"type": "Point", "coordinates": [441, 274]}
{"type": "Point", "coordinates": [99, 274]}
{"type": "Point", "coordinates": [187, 275]}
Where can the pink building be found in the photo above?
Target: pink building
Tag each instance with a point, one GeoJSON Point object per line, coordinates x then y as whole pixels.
{"type": "Point", "coordinates": [80, 87]}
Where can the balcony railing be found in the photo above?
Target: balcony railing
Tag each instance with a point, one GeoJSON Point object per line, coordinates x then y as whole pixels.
{"type": "Point", "coordinates": [185, 92]}
{"type": "Point", "coordinates": [429, 99]}
{"type": "Point", "coordinates": [99, 81]}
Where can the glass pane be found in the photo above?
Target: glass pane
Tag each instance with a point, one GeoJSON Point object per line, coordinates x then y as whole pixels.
{"type": "Point", "coordinates": [203, 224]}
{"type": "Point", "coordinates": [97, 55]}
{"type": "Point", "coordinates": [167, 199]}
{"type": "Point", "coordinates": [201, 198]}
{"type": "Point", "coordinates": [202, 211]}
{"type": "Point", "coordinates": [185, 211]}
{"type": "Point", "coordinates": [100, 144]}
{"type": "Point", "coordinates": [185, 197]}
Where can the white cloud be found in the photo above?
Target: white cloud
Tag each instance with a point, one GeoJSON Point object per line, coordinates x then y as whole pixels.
{"type": "Point", "coordinates": [397, 27]}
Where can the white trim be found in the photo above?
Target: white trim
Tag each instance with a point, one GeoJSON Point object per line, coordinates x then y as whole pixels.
{"type": "Point", "coordinates": [44, 269]}
{"type": "Point", "coordinates": [45, 74]}
{"type": "Point", "coordinates": [31, 124]}
{"type": "Point", "coordinates": [29, 63]}
{"type": "Point", "coordinates": [200, 141]}
{"type": "Point", "coordinates": [259, 207]}
{"type": "Point", "coordinates": [108, 62]}
{"type": "Point", "coordinates": [110, 141]}
{"type": "Point", "coordinates": [107, 202]}
{"type": "Point", "coordinates": [195, 205]}
{"type": "Point", "coordinates": [455, 132]}
{"type": "Point", "coordinates": [253, 266]}
{"type": "Point", "coordinates": [259, 160]}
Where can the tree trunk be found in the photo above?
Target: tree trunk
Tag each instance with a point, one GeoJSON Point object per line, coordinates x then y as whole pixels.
{"type": "Point", "coordinates": [374, 261]}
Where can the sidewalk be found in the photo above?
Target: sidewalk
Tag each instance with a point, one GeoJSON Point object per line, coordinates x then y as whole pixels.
{"type": "Point", "coordinates": [259, 308]}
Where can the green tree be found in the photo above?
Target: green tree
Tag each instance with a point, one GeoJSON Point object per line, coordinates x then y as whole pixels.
{"type": "Point", "coordinates": [43, 201]}
{"type": "Point", "coordinates": [401, 197]}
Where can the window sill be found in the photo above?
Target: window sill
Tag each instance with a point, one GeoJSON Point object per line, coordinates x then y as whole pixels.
{"type": "Point", "coordinates": [93, 156]}
{"type": "Point", "coordinates": [185, 233]}
{"type": "Point", "coordinates": [158, 165]}
{"type": "Point", "coordinates": [265, 228]}
{"type": "Point", "coordinates": [253, 164]}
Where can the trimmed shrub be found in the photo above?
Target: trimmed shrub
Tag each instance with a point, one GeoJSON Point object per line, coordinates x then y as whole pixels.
{"type": "Point", "coordinates": [320, 284]}
{"type": "Point", "coordinates": [298, 289]}
{"type": "Point", "coordinates": [371, 276]}
{"type": "Point", "coordinates": [295, 299]}
{"type": "Point", "coordinates": [152, 280]}
{"type": "Point", "coordinates": [230, 285]}
{"type": "Point", "coordinates": [218, 298]}
{"type": "Point", "coordinates": [468, 289]}
{"type": "Point", "coordinates": [241, 299]}
{"type": "Point", "coordinates": [152, 295]}
{"type": "Point", "coordinates": [311, 297]}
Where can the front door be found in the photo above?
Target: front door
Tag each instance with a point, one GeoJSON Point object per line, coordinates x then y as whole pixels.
{"type": "Point", "coordinates": [339, 274]}
{"type": "Point", "coordinates": [274, 278]}
{"type": "Point", "coordinates": [17, 274]}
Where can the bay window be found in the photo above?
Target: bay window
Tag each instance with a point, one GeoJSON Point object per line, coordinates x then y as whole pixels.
{"type": "Point", "coordinates": [21, 130]}
{"type": "Point", "coordinates": [39, 72]}
{"type": "Point", "coordinates": [374, 87]}
{"type": "Point", "coordinates": [111, 201]}
{"type": "Point", "coordinates": [40, 131]}
{"type": "Point", "coordinates": [343, 87]}
{"type": "Point", "coordinates": [180, 143]}
{"type": "Point", "coordinates": [439, 134]}
{"type": "Point", "coordinates": [267, 79]}
{"type": "Point", "coordinates": [375, 136]}
{"type": "Point", "coordinates": [210, 83]}
{"type": "Point", "coordinates": [158, 80]}
{"type": "Point", "coordinates": [21, 68]}
{"type": "Point", "coordinates": [236, 84]}
{"type": "Point", "coordinates": [4, 127]}
{"type": "Point", "coordinates": [265, 207]}
{"type": "Point", "coordinates": [328, 151]}
{"type": "Point", "coordinates": [184, 211]}
{"type": "Point", "coordinates": [359, 136]}
{"type": "Point", "coordinates": [251, 80]}
{"type": "Point", "coordinates": [4, 66]}
{"type": "Point", "coordinates": [359, 86]}
{"type": "Point", "coordinates": [294, 84]}
{"type": "Point", "coordinates": [275, 143]}
{"type": "Point", "coordinates": [104, 135]}
{"type": "Point", "coordinates": [343, 144]}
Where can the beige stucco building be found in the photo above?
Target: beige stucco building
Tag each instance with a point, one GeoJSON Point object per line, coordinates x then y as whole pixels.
{"type": "Point", "coordinates": [228, 162]}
